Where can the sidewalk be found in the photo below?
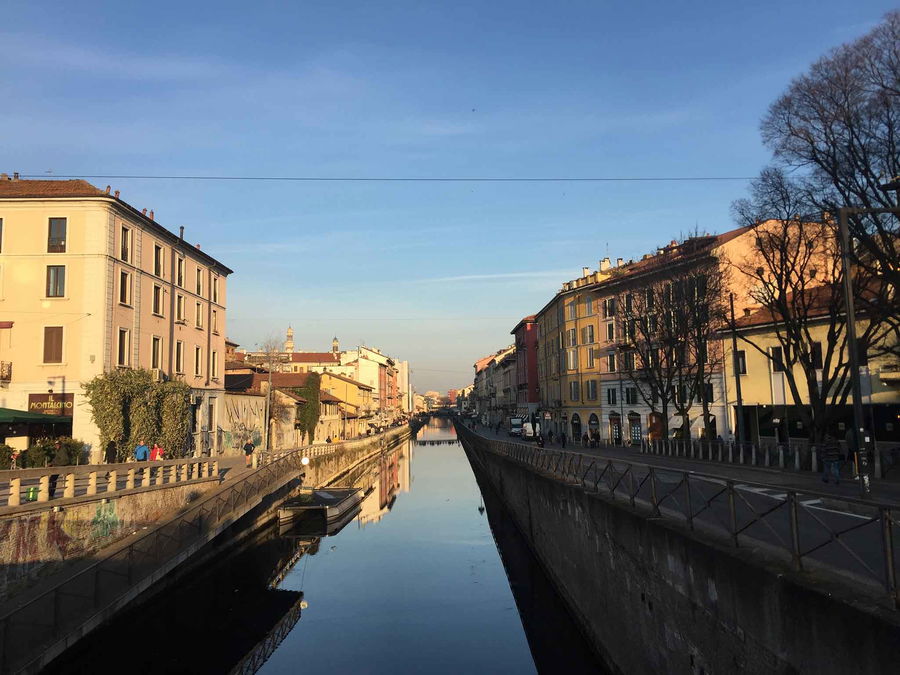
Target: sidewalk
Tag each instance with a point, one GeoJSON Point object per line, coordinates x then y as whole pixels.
{"type": "Point", "coordinates": [887, 492]}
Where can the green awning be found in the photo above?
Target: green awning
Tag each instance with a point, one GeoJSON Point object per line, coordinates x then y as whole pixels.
{"type": "Point", "coordinates": [10, 416]}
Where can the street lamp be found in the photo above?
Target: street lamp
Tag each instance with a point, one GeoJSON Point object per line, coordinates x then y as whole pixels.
{"type": "Point", "coordinates": [859, 436]}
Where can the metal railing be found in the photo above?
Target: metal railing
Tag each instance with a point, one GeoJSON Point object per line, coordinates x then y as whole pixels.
{"type": "Point", "coordinates": [82, 600]}
{"type": "Point", "coordinates": [48, 484]}
{"type": "Point", "coordinates": [806, 529]}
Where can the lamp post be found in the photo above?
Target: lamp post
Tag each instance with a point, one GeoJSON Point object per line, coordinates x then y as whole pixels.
{"type": "Point", "coordinates": [860, 439]}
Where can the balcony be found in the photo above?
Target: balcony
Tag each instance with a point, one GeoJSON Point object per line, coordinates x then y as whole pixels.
{"type": "Point", "coordinates": [5, 371]}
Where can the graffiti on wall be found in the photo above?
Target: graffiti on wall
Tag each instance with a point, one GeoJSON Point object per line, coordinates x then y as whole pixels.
{"type": "Point", "coordinates": [244, 417]}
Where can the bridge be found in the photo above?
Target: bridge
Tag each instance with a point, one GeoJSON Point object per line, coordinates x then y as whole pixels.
{"type": "Point", "coordinates": [43, 620]}
{"type": "Point", "coordinates": [700, 568]}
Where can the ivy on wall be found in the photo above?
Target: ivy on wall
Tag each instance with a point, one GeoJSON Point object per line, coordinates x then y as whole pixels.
{"type": "Point", "coordinates": [128, 407]}
{"type": "Point", "coordinates": [308, 414]}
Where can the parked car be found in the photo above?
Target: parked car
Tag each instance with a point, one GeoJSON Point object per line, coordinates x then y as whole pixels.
{"type": "Point", "coordinates": [515, 426]}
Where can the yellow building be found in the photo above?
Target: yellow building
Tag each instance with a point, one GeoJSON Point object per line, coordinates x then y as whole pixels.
{"type": "Point", "coordinates": [356, 406]}
{"type": "Point", "coordinates": [88, 284]}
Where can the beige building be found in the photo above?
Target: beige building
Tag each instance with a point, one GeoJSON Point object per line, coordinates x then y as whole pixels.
{"type": "Point", "coordinates": [88, 284]}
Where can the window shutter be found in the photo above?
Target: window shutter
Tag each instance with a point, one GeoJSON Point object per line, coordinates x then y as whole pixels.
{"type": "Point", "coordinates": [53, 344]}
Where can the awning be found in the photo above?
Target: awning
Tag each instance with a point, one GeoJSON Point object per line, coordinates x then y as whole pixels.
{"type": "Point", "coordinates": [10, 416]}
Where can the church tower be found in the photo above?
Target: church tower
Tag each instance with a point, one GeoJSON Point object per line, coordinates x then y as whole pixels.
{"type": "Point", "coordinates": [335, 346]}
{"type": "Point", "coordinates": [289, 343]}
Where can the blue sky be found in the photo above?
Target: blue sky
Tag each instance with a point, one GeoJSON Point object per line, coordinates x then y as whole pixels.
{"type": "Point", "coordinates": [436, 273]}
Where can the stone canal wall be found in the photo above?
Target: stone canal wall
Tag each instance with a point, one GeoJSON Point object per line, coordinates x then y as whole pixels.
{"type": "Point", "coordinates": [655, 599]}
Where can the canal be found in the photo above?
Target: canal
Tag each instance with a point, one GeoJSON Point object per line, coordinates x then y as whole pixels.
{"type": "Point", "coordinates": [431, 576]}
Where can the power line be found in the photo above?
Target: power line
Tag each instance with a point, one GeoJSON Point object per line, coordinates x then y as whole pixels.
{"type": "Point", "coordinates": [405, 179]}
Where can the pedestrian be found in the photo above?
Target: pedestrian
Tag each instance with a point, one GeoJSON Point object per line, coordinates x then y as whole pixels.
{"type": "Point", "coordinates": [562, 438]}
{"type": "Point", "coordinates": [540, 441]}
{"type": "Point", "coordinates": [141, 452]}
{"type": "Point", "coordinates": [585, 439]}
{"type": "Point", "coordinates": [248, 452]}
{"type": "Point", "coordinates": [13, 459]}
{"type": "Point", "coordinates": [157, 453]}
{"type": "Point", "coordinates": [57, 458]}
{"type": "Point", "coordinates": [550, 436]}
{"type": "Point", "coordinates": [328, 440]}
{"type": "Point", "coordinates": [831, 460]}
{"type": "Point", "coordinates": [499, 424]}
{"type": "Point", "coordinates": [109, 453]}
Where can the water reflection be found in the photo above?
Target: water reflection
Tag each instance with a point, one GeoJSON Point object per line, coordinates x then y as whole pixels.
{"type": "Point", "coordinates": [413, 583]}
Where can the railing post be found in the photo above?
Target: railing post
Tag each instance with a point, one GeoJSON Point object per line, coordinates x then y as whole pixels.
{"type": "Point", "coordinates": [732, 511]}
{"type": "Point", "coordinates": [653, 500]}
{"type": "Point", "coordinates": [753, 458]}
{"type": "Point", "coordinates": [216, 468]}
{"type": "Point", "coordinates": [795, 530]}
{"type": "Point", "coordinates": [129, 479]}
{"type": "Point", "coordinates": [69, 490]}
{"type": "Point", "coordinates": [92, 484]}
{"type": "Point", "coordinates": [15, 492]}
{"type": "Point", "coordinates": [44, 488]}
{"type": "Point", "coordinates": [731, 452]}
{"type": "Point", "coordinates": [687, 498]}
{"type": "Point", "coordinates": [145, 476]}
{"type": "Point", "coordinates": [111, 481]}
{"type": "Point", "coordinates": [887, 542]}
{"type": "Point", "coordinates": [814, 459]}
{"type": "Point", "coordinates": [160, 475]}
{"type": "Point", "coordinates": [184, 471]}
{"type": "Point", "coordinates": [781, 456]}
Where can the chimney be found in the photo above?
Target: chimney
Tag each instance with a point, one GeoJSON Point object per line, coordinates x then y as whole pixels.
{"type": "Point", "coordinates": [746, 311]}
{"type": "Point", "coordinates": [181, 233]}
{"type": "Point", "coordinates": [15, 175]}
{"type": "Point", "coordinates": [143, 212]}
{"type": "Point", "coordinates": [116, 194]}
{"type": "Point", "coordinates": [108, 188]}
{"type": "Point", "coordinates": [198, 246]}
{"type": "Point", "coordinates": [620, 262]}
{"type": "Point", "coordinates": [604, 265]}
{"type": "Point", "coordinates": [585, 271]}
{"type": "Point", "coordinates": [151, 214]}
{"type": "Point", "coordinates": [4, 176]}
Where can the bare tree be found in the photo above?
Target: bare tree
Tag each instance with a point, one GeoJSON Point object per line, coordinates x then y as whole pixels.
{"type": "Point", "coordinates": [796, 277]}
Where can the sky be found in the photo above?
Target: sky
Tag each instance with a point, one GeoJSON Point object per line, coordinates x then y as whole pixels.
{"type": "Point", "coordinates": [436, 273]}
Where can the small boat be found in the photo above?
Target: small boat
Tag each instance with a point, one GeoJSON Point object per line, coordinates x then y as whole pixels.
{"type": "Point", "coordinates": [328, 506]}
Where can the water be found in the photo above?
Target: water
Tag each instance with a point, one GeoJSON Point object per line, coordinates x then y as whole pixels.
{"type": "Point", "coordinates": [414, 584]}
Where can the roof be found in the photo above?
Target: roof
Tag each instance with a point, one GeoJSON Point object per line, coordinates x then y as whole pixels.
{"type": "Point", "coordinates": [291, 394]}
{"type": "Point", "coordinates": [325, 396]}
{"type": "Point", "coordinates": [818, 304]}
{"type": "Point", "coordinates": [528, 319]}
{"type": "Point", "coordinates": [315, 357]}
{"type": "Point", "coordinates": [348, 379]}
{"type": "Point", "coordinates": [14, 188]}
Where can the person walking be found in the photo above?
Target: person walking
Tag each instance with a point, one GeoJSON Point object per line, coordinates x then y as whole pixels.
{"type": "Point", "coordinates": [157, 453]}
{"type": "Point", "coordinates": [109, 453]}
{"type": "Point", "coordinates": [550, 436]}
{"type": "Point", "coordinates": [562, 438]}
{"type": "Point", "coordinates": [57, 458]}
{"type": "Point", "coordinates": [141, 452]}
{"type": "Point", "coordinates": [248, 453]}
{"type": "Point", "coordinates": [831, 460]}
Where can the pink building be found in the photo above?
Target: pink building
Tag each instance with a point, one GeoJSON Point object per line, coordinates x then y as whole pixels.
{"type": "Point", "coordinates": [527, 391]}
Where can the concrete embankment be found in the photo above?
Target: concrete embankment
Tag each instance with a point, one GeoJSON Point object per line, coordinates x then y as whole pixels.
{"type": "Point", "coordinates": [655, 598]}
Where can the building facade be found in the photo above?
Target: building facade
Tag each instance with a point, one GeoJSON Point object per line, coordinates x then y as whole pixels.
{"type": "Point", "coordinates": [89, 284]}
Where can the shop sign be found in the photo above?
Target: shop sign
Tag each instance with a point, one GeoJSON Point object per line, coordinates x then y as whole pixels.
{"type": "Point", "coordinates": [52, 404]}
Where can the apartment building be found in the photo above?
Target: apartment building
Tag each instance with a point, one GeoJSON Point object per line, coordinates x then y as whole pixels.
{"type": "Point", "coordinates": [527, 386]}
{"type": "Point", "coordinates": [88, 284]}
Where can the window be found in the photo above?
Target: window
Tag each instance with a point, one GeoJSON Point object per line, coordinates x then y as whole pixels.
{"type": "Point", "coordinates": [156, 352]}
{"type": "Point", "coordinates": [179, 357]}
{"type": "Point", "coordinates": [588, 306]}
{"type": "Point", "coordinates": [573, 391]}
{"type": "Point", "coordinates": [609, 307]}
{"type": "Point", "coordinates": [56, 236]}
{"type": "Point", "coordinates": [571, 338]}
{"type": "Point", "coordinates": [215, 289]}
{"type": "Point", "coordinates": [628, 361]}
{"type": "Point", "coordinates": [590, 358]}
{"type": "Point", "coordinates": [573, 309]}
{"type": "Point", "coordinates": [53, 344]}
{"type": "Point", "coordinates": [125, 244]}
{"type": "Point", "coordinates": [587, 335]}
{"type": "Point", "coordinates": [631, 395]}
{"type": "Point", "coordinates": [777, 360]}
{"type": "Point", "coordinates": [198, 361]}
{"type": "Point", "coordinates": [649, 298]}
{"type": "Point", "coordinates": [740, 362]}
{"type": "Point", "coordinates": [56, 281]}
{"type": "Point", "coordinates": [631, 329]}
{"type": "Point", "coordinates": [215, 322]}
{"type": "Point", "coordinates": [653, 324]}
{"type": "Point", "coordinates": [1, 235]}
{"type": "Point", "coordinates": [123, 351]}
{"type": "Point", "coordinates": [817, 355]}
{"type": "Point", "coordinates": [198, 317]}
{"type": "Point", "coordinates": [611, 331]}
{"type": "Point", "coordinates": [124, 287]}
{"type": "Point", "coordinates": [708, 392]}
{"type": "Point", "coordinates": [157, 300]}
{"type": "Point", "coordinates": [629, 302]}
{"type": "Point", "coordinates": [611, 363]}
{"type": "Point", "coordinates": [179, 271]}
{"type": "Point", "coordinates": [591, 394]}
{"type": "Point", "coordinates": [179, 307]}
{"type": "Point", "coordinates": [199, 281]}
{"type": "Point", "coordinates": [214, 365]}
{"type": "Point", "coordinates": [157, 260]}
{"type": "Point", "coordinates": [572, 359]}
{"type": "Point", "coordinates": [611, 396]}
